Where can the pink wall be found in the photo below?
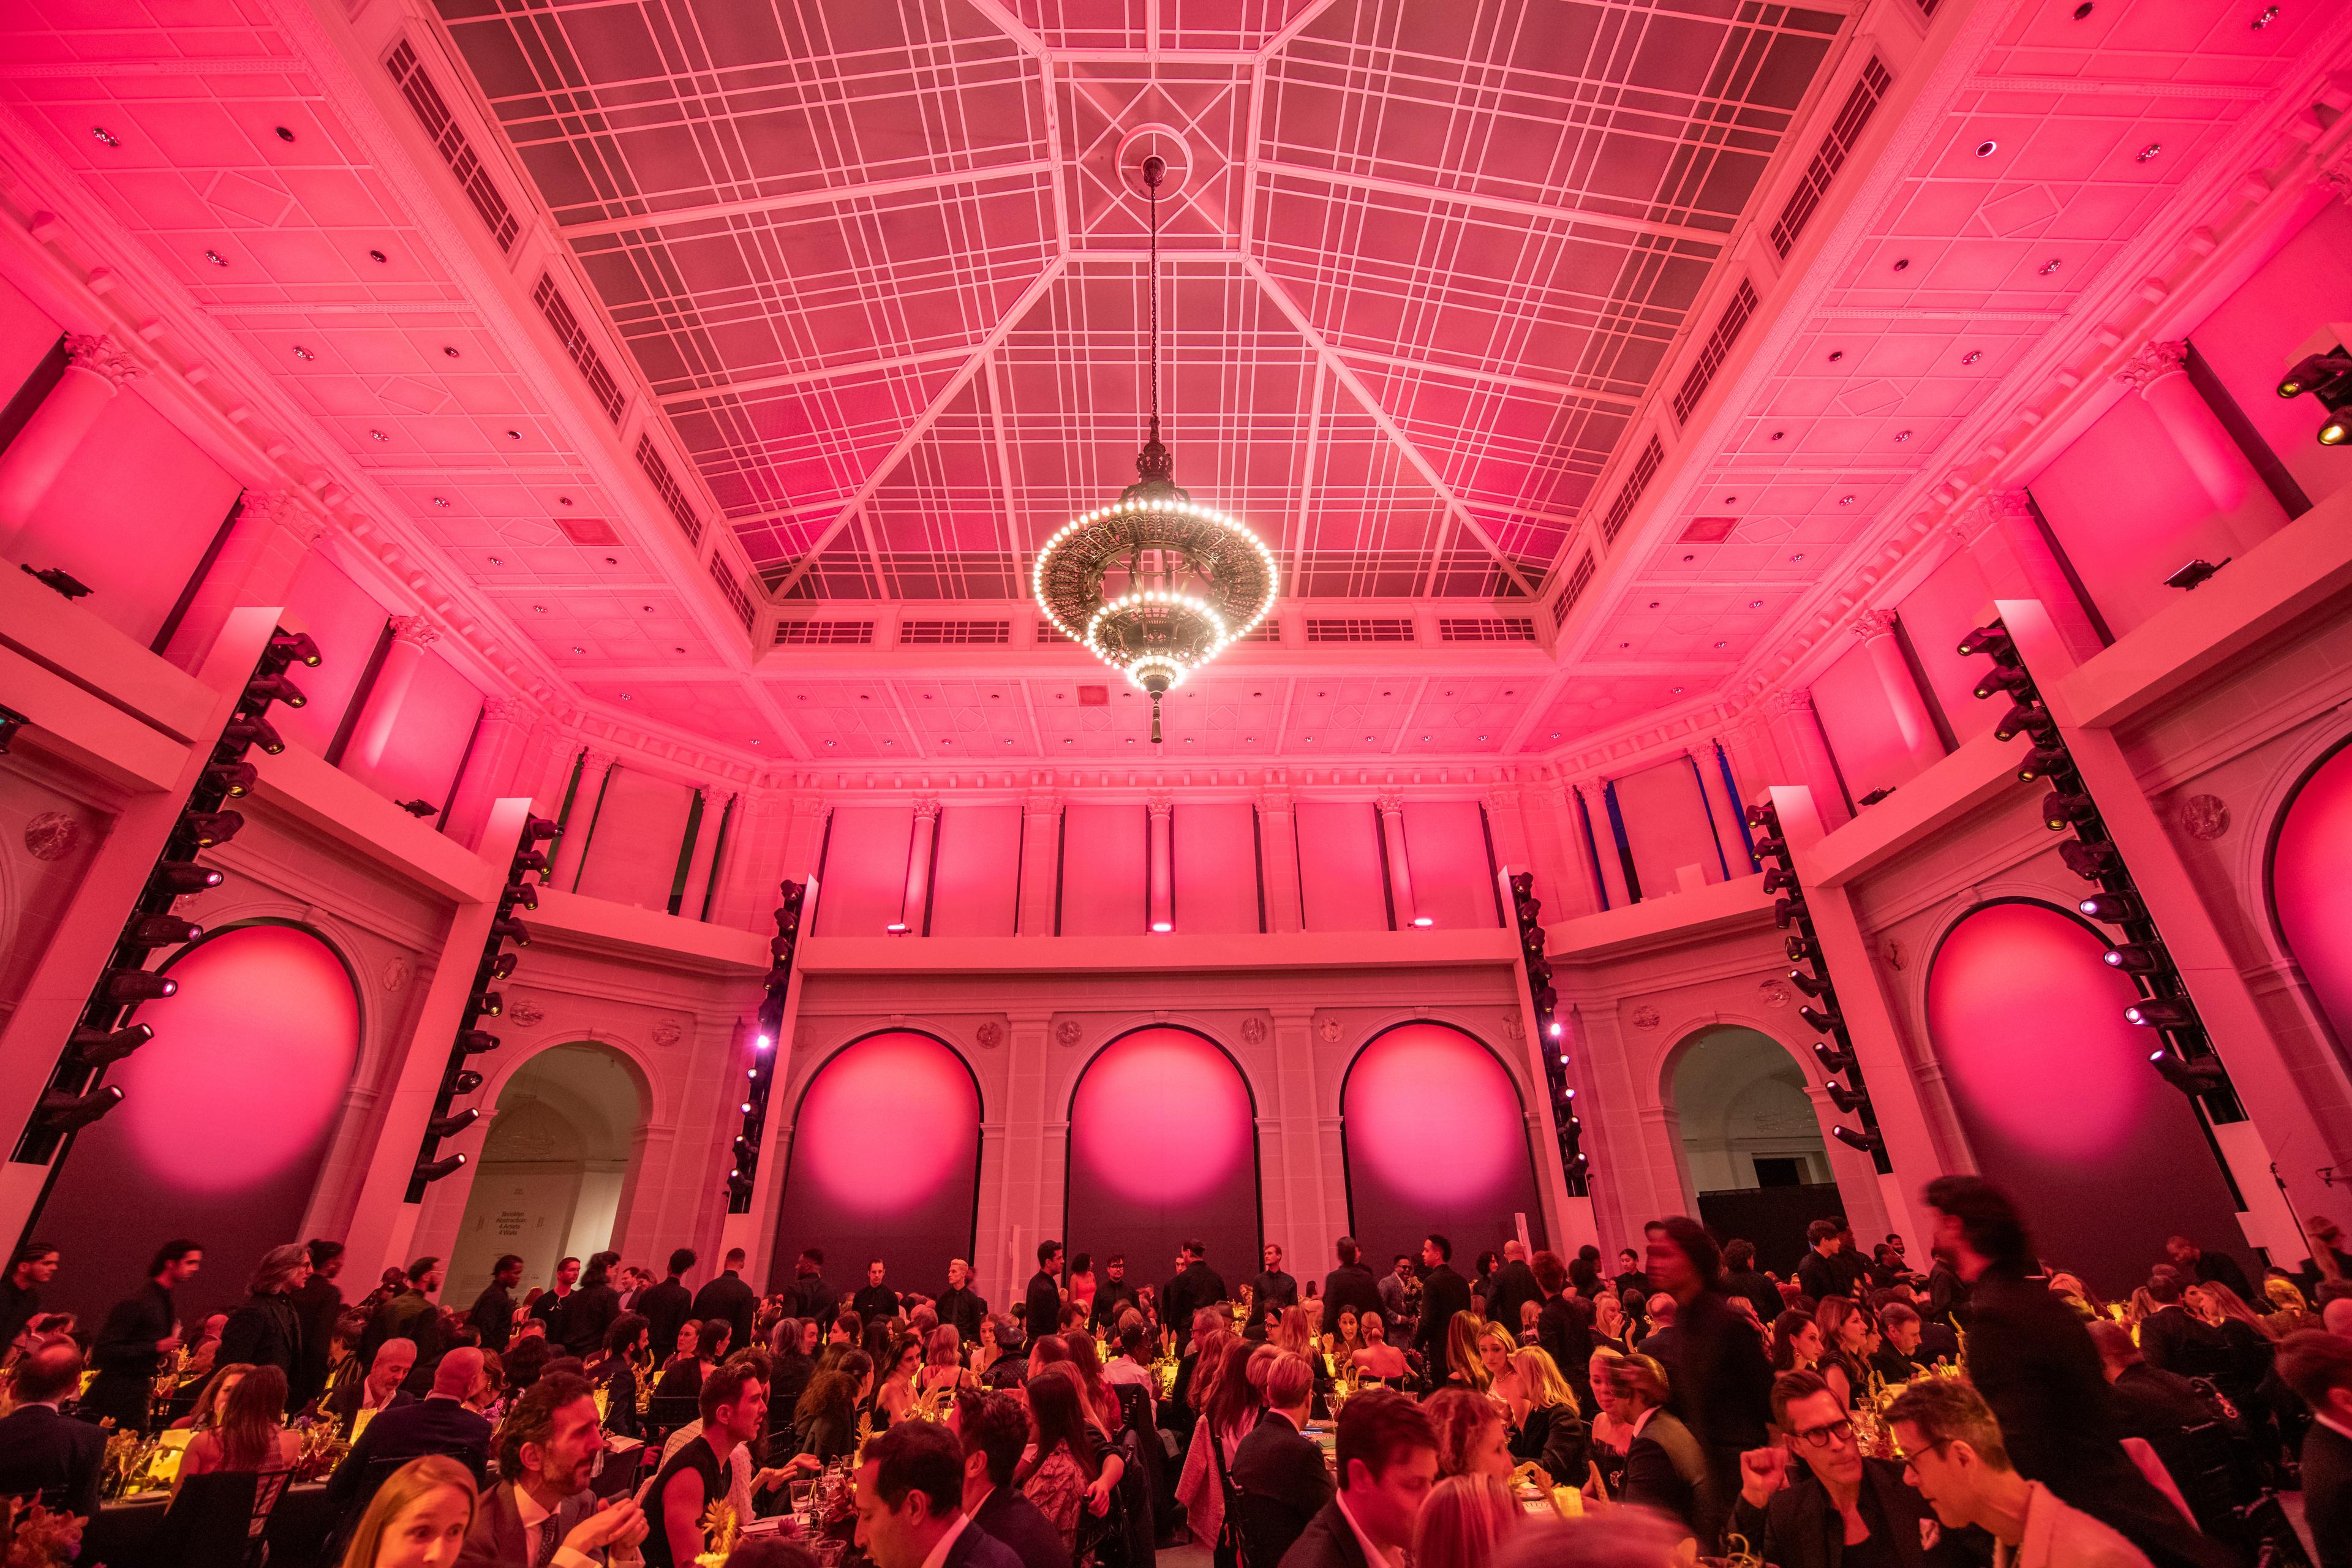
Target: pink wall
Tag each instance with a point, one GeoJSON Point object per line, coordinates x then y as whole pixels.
{"type": "Point", "coordinates": [225, 1117]}
{"type": "Point", "coordinates": [1860, 724]}
{"type": "Point", "coordinates": [1939, 612]}
{"type": "Point", "coordinates": [131, 514]}
{"type": "Point", "coordinates": [1453, 881]}
{"type": "Point", "coordinates": [1339, 866]}
{"type": "Point", "coordinates": [2027, 1019]}
{"type": "Point", "coordinates": [864, 871]}
{"type": "Point", "coordinates": [2311, 867]}
{"type": "Point", "coordinates": [437, 720]}
{"type": "Point", "coordinates": [1103, 855]}
{"type": "Point", "coordinates": [884, 1162]}
{"type": "Point", "coordinates": [1436, 1140]}
{"type": "Point", "coordinates": [633, 860]}
{"type": "Point", "coordinates": [1162, 1147]}
{"type": "Point", "coordinates": [1214, 848]}
{"type": "Point", "coordinates": [1666, 822]}
{"type": "Point", "coordinates": [26, 335]}
{"type": "Point", "coordinates": [976, 872]}
{"type": "Point", "coordinates": [345, 621]}
{"type": "Point", "coordinates": [2260, 330]}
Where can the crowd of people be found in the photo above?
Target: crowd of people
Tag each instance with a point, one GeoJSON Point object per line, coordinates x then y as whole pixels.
{"type": "Point", "coordinates": [1859, 1413]}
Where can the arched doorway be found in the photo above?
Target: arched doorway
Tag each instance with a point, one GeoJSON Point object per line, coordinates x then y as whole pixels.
{"type": "Point", "coordinates": [1751, 1146]}
{"type": "Point", "coordinates": [2310, 859]}
{"type": "Point", "coordinates": [1435, 1138]}
{"type": "Point", "coordinates": [551, 1180]}
{"type": "Point", "coordinates": [885, 1162]}
{"type": "Point", "coordinates": [1163, 1149]}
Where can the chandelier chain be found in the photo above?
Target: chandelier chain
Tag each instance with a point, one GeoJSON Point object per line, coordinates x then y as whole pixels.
{"type": "Point", "coordinates": [1151, 178]}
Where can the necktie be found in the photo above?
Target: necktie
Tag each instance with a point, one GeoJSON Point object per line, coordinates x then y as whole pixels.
{"type": "Point", "coordinates": [545, 1554]}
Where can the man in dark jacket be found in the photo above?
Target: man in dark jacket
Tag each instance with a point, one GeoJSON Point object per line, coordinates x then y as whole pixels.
{"type": "Point", "coordinates": [320, 1303]}
{"type": "Point", "coordinates": [438, 1424]}
{"type": "Point", "coordinates": [1564, 1326]}
{"type": "Point", "coordinates": [33, 1266]}
{"type": "Point", "coordinates": [2032, 1359]}
{"type": "Point", "coordinates": [875, 1301]}
{"type": "Point", "coordinates": [1721, 1384]}
{"type": "Point", "coordinates": [994, 1429]}
{"type": "Point", "coordinates": [665, 1307]}
{"type": "Point", "coordinates": [1387, 1461]}
{"type": "Point", "coordinates": [2158, 1407]}
{"type": "Point", "coordinates": [267, 1331]}
{"type": "Point", "coordinates": [1278, 1478]}
{"type": "Point", "coordinates": [1443, 1293]}
{"type": "Point", "coordinates": [412, 1315]}
{"type": "Point", "coordinates": [1040, 1309]}
{"type": "Point", "coordinates": [814, 1296]}
{"type": "Point", "coordinates": [1196, 1286]}
{"type": "Point", "coordinates": [43, 1451]}
{"type": "Point", "coordinates": [727, 1296]}
{"type": "Point", "coordinates": [556, 1300]}
{"type": "Point", "coordinates": [1272, 1293]}
{"type": "Point", "coordinates": [1514, 1284]}
{"type": "Point", "coordinates": [593, 1306]}
{"type": "Point", "coordinates": [960, 1304]}
{"type": "Point", "coordinates": [1819, 1274]}
{"type": "Point", "coordinates": [2214, 1269]}
{"type": "Point", "coordinates": [1743, 1280]}
{"type": "Point", "coordinates": [1350, 1286]}
{"type": "Point", "coordinates": [1803, 1525]}
{"type": "Point", "coordinates": [140, 1336]}
{"type": "Point", "coordinates": [492, 1314]}
{"type": "Point", "coordinates": [2176, 1341]}
{"type": "Point", "coordinates": [2318, 1367]}
{"type": "Point", "coordinates": [1114, 1294]}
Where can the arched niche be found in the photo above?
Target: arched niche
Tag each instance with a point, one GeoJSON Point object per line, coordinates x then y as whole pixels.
{"type": "Point", "coordinates": [553, 1174]}
{"type": "Point", "coordinates": [1434, 1138]}
{"type": "Point", "coordinates": [1163, 1149]}
{"type": "Point", "coordinates": [224, 1121]}
{"type": "Point", "coordinates": [1753, 1154]}
{"type": "Point", "coordinates": [2309, 864]}
{"type": "Point", "coordinates": [2053, 1086]}
{"type": "Point", "coordinates": [885, 1162]}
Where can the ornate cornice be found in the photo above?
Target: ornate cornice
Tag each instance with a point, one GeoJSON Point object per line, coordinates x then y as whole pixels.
{"type": "Point", "coordinates": [99, 355]}
{"type": "Point", "coordinates": [1871, 625]}
{"type": "Point", "coordinates": [2154, 362]}
{"type": "Point", "coordinates": [414, 630]}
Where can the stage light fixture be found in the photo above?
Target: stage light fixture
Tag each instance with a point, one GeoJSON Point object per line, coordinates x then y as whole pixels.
{"type": "Point", "coordinates": [1785, 912]}
{"type": "Point", "coordinates": [2115, 908]}
{"type": "Point", "coordinates": [1993, 641]}
{"type": "Point", "coordinates": [291, 648]}
{"type": "Point", "coordinates": [2062, 808]}
{"type": "Point", "coordinates": [498, 968]}
{"type": "Point", "coordinates": [2089, 861]}
{"type": "Point", "coordinates": [129, 987]}
{"type": "Point", "coordinates": [1545, 998]}
{"type": "Point", "coordinates": [529, 860]}
{"type": "Point", "coordinates": [264, 690]}
{"type": "Point", "coordinates": [509, 928]}
{"type": "Point", "coordinates": [61, 1113]}
{"type": "Point", "coordinates": [486, 1004]}
{"type": "Point", "coordinates": [457, 1121]}
{"type": "Point", "coordinates": [1800, 949]}
{"type": "Point", "coordinates": [248, 730]}
{"type": "Point", "coordinates": [91, 1050]}
{"type": "Point", "coordinates": [2203, 1076]}
{"type": "Point", "coordinates": [1847, 1100]}
{"type": "Point", "coordinates": [1523, 886]}
{"type": "Point", "coordinates": [2159, 1013]}
{"type": "Point", "coordinates": [1778, 878]}
{"type": "Point", "coordinates": [203, 829]}
{"type": "Point", "coordinates": [431, 1171]}
{"type": "Point", "coordinates": [1761, 816]}
{"type": "Point", "coordinates": [1820, 1021]}
{"type": "Point", "coordinates": [465, 1082]}
{"type": "Point", "coordinates": [537, 830]}
{"type": "Point", "coordinates": [181, 877]}
{"type": "Point", "coordinates": [2137, 957]}
{"type": "Point", "coordinates": [1556, 1030]}
{"type": "Point", "coordinates": [1868, 1142]}
{"type": "Point", "coordinates": [1804, 981]}
{"type": "Point", "coordinates": [160, 930]}
{"type": "Point", "coordinates": [2025, 719]}
{"type": "Point", "coordinates": [2044, 762]}
{"type": "Point", "coordinates": [1773, 848]}
{"type": "Point", "coordinates": [1538, 970]}
{"type": "Point", "coordinates": [1833, 1061]}
{"type": "Point", "coordinates": [2005, 678]}
{"type": "Point", "coordinates": [234, 780]}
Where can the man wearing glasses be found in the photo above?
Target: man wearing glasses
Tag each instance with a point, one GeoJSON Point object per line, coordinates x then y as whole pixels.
{"type": "Point", "coordinates": [1843, 1509]}
{"type": "Point", "coordinates": [1952, 1447]}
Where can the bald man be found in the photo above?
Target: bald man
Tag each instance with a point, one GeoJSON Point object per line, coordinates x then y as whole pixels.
{"type": "Point", "coordinates": [440, 1423]}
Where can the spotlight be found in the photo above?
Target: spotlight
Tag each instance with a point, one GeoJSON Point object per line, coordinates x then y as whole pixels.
{"type": "Point", "coordinates": [1992, 641]}
{"type": "Point", "coordinates": [1417, 920]}
{"type": "Point", "coordinates": [1833, 1060]}
{"type": "Point", "coordinates": [518, 896]}
{"type": "Point", "coordinates": [2137, 957]}
{"type": "Point", "coordinates": [1538, 970]}
{"type": "Point", "coordinates": [204, 830]}
{"type": "Point", "coordinates": [457, 1121]}
{"type": "Point", "coordinates": [474, 1042]}
{"type": "Point", "coordinates": [2115, 908]}
{"type": "Point", "coordinates": [264, 690]}
{"type": "Point", "coordinates": [792, 893]}
{"type": "Point", "coordinates": [129, 987]}
{"type": "Point", "coordinates": [788, 920]}
{"type": "Point", "coordinates": [498, 968]}
{"type": "Point", "coordinates": [2327, 376]}
{"type": "Point", "coordinates": [1556, 1032]}
{"type": "Point", "coordinates": [2198, 571]}
{"type": "Point", "coordinates": [92, 1049]}
{"type": "Point", "coordinates": [2091, 861]}
{"type": "Point", "coordinates": [1848, 1100]}
{"type": "Point", "coordinates": [291, 648]}
{"type": "Point", "coordinates": [248, 730]}
{"type": "Point", "coordinates": [486, 1004]}
{"type": "Point", "coordinates": [2044, 762]}
{"type": "Point", "coordinates": [1761, 816]}
{"type": "Point", "coordinates": [2027, 718]}
{"type": "Point", "coordinates": [2202, 1075]}
{"type": "Point", "coordinates": [433, 1171]}
{"type": "Point", "coordinates": [1868, 1142]}
{"type": "Point", "coordinates": [1800, 949]}
{"type": "Point", "coordinates": [509, 928]}
{"type": "Point", "coordinates": [1772, 849]}
{"type": "Point", "coordinates": [1785, 910]}
{"type": "Point", "coordinates": [1778, 878]}
{"type": "Point", "coordinates": [181, 877]}
{"type": "Point", "coordinates": [61, 1113]}
{"type": "Point", "coordinates": [780, 950]}
{"type": "Point", "coordinates": [762, 1043]}
{"type": "Point", "coordinates": [232, 778]}
{"type": "Point", "coordinates": [1529, 910]}
{"type": "Point", "coordinates": [1804, 981]}
{"type": "Point", "coordinates": [745, 1149]}
{"type": "Point", "coordinates": [528, 860]}
{"type": "Point", "coordinates": [2161, 1015]}
{"type": "Point", "coordinates": [2005, 678]}
{"type": "Point", "coordinates": [778, 977]}
{"type": "Point", "coordinates": [160, 930]}
{"type": "Point", "coordinates": [1523, 885]}
{"type": "Point", "coordinates": [2062, 809]}
{"type": "Point", "coordinates": [1545, 998]}
{"type": "Point", "coordinates": [1822, 1021]}
{"type": "Point", "coordinates": [466, 1082]}
{"type": "Point", "coordinates": [537, 830]}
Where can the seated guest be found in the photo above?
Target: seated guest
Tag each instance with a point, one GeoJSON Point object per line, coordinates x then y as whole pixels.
{"type": "Point", "coordinates": [1277, 1472]}
{"type": "Point", "coordinates": [1066, 1473]}
{"type": "Point", "coordinates": [419, 1517]}
{"type": "Point", "coordinates": [1664, 1466]}
{"type": "Point", "coordinates": [1127, 1366]}
{"type": "Point", "coordinates": [2150, 1404]}
{"type": "Point", "coordinates": [202, 1360]}
{"type": "Point", "coordinates": [998, 1360]}
{"type": "Point", "coordinates": [207, 1410]}
{"type": "Point", "coordinates": [615, 1371]}
{"type": "Point", "coordinates": [1953, 1449]}
{"type": "Point", "coordinates": [734, 1402]}
{"type": "Point", "coordinates": [1387, 1463]}
{"type": "Point", "coordinates": [251, 1435]}
{"type": "Point", "coordinates": [2174, 1338]}
{"type": "Point", "coordinates": [910, 1503]}
{"type": "Point", "coordinates": [525, 1358]}
{"type": "Point", "coordinates": [1379, 1359]}
{"type": "Point", "coordinates": [2318, 1367]}
{"type": "Point", "coordinates": [440, 1423]}
{"type": "Point", "coordinates": [541, 1507]}
{"type": "Point", "coordinates": [1551, 1433]}
{"type": "Point", "coordinates": [1900, 1356]}
{"type": "Point", "coordinates": [1611, 1433]}
{"type": "Point", "coordinates": [995, 1430]}
{"type": "Point", "coordinates": [825, 1420]}
{"type": "Point", "coordinates": [682, 1379]}
{"type": "Point", "coordinates": [380, 1390]}
{"type": "Point", "coordinates": [43, 1451]}
{"type": "Point", "coordinates": [1466, 1523]}
{"type": "Point", "coordinates": [1471, 1440]}
{"type": "Point", "coordinates": [1842, 1505]}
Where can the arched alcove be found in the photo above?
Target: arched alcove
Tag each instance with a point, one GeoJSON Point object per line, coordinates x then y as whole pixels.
{"type": "Point", "coordinates": [2310, 863]}
{"type": "Point", "coordinates": [884, 1160]}
{"type": "Point", "coordinates": [1751, 1143]}
{"type": "Point", "coordinates": [2053, 1086]}
{"type": "Point", "coordinates": [1163, 1147]}
{"type": "Point", "coordinates": [1435, 1138]}
{"type": "Point", "coordinates": [549, 1180]}
{"type": "Point", "coordinates": [225, 1118]}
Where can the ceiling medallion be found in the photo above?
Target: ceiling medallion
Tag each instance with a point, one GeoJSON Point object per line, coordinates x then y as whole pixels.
{"type": "Point", "coordinates": [1155, 585]}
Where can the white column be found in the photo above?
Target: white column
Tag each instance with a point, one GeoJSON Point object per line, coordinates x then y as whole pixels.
{"type": "Point", "coordinates": [916, 898]}
{"type": "Point", "coordinates": [1392, 810]}
{"type": "Point", "coordinates": [1797, 733]}
{"type": "Point", "coordinates": [706, 850]}
{"type": "Point", "coordinates": [495, 768]}
{"type": "Point", "coordinates": [1162, 896]}
{"type": "Point", "coordinates": [2160, 371]}
{"type": "Point", "coordinates": [1041, 863]}
{"type": "Point", "coordinates": [564, 867]}
{"type": "Point", "coordinates": [96, 368]}
{"type": "Point", "coordinates": [411, 636]}
{"type": "Point", "coordinates": [2008, 547]}
{"type": "Point", "coordinates": [275, 533]}
{"type": "Point", "coordinates": [1722, 810]}
{"type": "Point", "coordinates": [1610, 865]}
{"type": "Point", "coordinates": [1278, 851]}
{"type": "Point", "coordinates": [772, 840]}
{"type": "Point", "coordinates": [1911, 722]}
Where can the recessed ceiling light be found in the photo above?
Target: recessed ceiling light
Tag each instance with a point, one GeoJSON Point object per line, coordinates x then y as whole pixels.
{"type": "Point", "coordinates": [284, 134]}
{"type": "Point", "coordinates": [1902, 264]}
{"type": "Point", "coordinates": [496, 561]}
{"type": "Point", "coordinates": [1008, 740]}
{"type": "Point", "coordinates": [1845, 501]}
{"type": "Point", "coordinates": [449, 349]}
{"type": "Point", "coordinates": [301, 353]}
{"type": "Point", "coordinates": [1800, 555]}
{"type": "Point", "coordinates": [1778, 434]}
{"type": "Point", "coordinates": [539, 609]}
{"type": "Point", "coordinates": [1655, 602]}
{"type": "Point", "coordinates": [1836, 354]}
{"type": "Point", "coordinates": [440, 500]}
{"type": "Point", "coordinates": [1688, 559]}
{"type": "Point", "coordinates": [378, 256]}
{"type": "Point", "coordinates": [2049, 266]}
{"type": "Point", "coordinates": [1987, 148]}
{"type": "Point", "coordinates": [890, 742]}
{"type": "Point", "coordinates": [624, 697]}
{"type": "Point", "coordinates": [1972, 356]}
{"type": "Point", "coordinates": [1903, 434]}
{"type": "Point", "coordinates": [612, 560]}
{"type": "Point", "coordinates": [103, 134]}
{"type": "Point", "coordinates": [755, 742]}
{"type": "Point", "coordinates": [2083, 10]}
{"type": "Point", "coordinates": [1425, 737]}
{"type": "Point", "coordinates": [216, 258]}
{"type": "Point", "coordinates": [829, 742]}
{"type": "Point", "coordinates": [379, 434]}
{"type": "Point", "coordinates": [2150, 151]}
{"type": "Point", "coordinates": [1678, 691]}
{"type": "Point", "coordinates": [2270, 15]}
{"type": "Point", "coordinates": [1624, 645]}
{"type": "Point", "coordinates": [1723, 645]}
{"type": "Point", "coordinates": [577, 649]}
{"type": "Point", "coordinates": [563, 500]}
{"type": "Point", "coordinates": [1368, 740]}
{"type": "Point", "coordinates": [514, 435]}
{"type": "Point", "coordinates": [1754, 603]}
{"type": "Point", "coordinates": [1555, 734]}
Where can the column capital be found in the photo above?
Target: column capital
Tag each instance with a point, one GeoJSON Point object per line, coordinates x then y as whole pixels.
{"type": "Point", "coordinates": [101, 356]}
{"type": "Point", "coordinates": [1503, 796]}
{"type": "Point", "coordinates": [592, 764]}
{"type": "Point", "coordinates": [507, 711]}
{"type": "Point", "coordinates": [1871, 625]}
{"type": "Point", "coordinates": [1160, 805]}
{"type": "Point", "coordinates": [1274, 797]}
{"type": "Point", "coordinates": [2154, 362]}
{"type": "Point", "coordinates": [416, 630]}
{"type": "Point", "coordinates": [927, 809]}
{"type": "Point", "coordinates": [1792, 700]}
{"type": "Point", "coordinates": [2336, 176]}
{"type": "Point", "coordinates": [288, 510]}
{"type": "Point", "coordinates": [1389, 804]}
{"type": "Point", "coordinates": [1041, 803]}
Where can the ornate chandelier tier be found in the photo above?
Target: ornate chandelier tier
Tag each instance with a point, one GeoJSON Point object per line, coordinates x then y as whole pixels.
{"type": "Point", "coordinates": [1155, 585]}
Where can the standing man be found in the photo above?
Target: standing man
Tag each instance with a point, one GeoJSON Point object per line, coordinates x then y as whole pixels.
{"type": "Point", "coordinates": [1204, 1286]}
{"type": "Point", "coordinates": [1271, 1293]}
{"type": "Point", "coordinates": [2214, 1269]}
{"type": "Point", "coordinates": [34, 1265]}
{"type": "Point", "coordinates": [665, 1306]}
{"type": "Point", "coordinates": [595, 1307]}
{"type": "Point", "coordinates": [1819, 1274]}
{"type": "Point", "coordinates": [1114, 1295]}
{"type": "Point", "coordinates": [727, 1296]}
{"type": "Point", "coordinates": [1564, 1324]}
{"type": "Point", "coordinates": [493, 1311]}
{"type": "Point", "coordinates": [554, 1303]}
{"type": "Point", "coordinates": [734, 1404]}
{"type": "Point", "coordinates": [267, 1331]}
{"type": "Point", "coordinates": [1443, 1293]}
{"type": "Point", "coordinates": [412, 1315]}
{"type": "Point", "coordinates": [1720, 1382]}
{"type": "Point", "coordinates": [1350, 1286]}
{"type": "Point", "coordinates": [1041, 1308]}
{"type": "Point", "coordinates": [815, 1297]}
{"type": "Point", "coordinates": [140, 1336]}
{"type": "Point", "coordinates": [1400, 1300]}
{"type": "Point", "coordinates": [320, 1303]}
{"type": "Point", "coordinates": [1387, 1462]}
{"type": "Point", "coordinates": [960, 1304]}
{"type": "Point", "coordinates": [875, 1301]}
{"type": "Point", "coordinates": [541, 1506]}
{"type": "Point", "coordinates": [911, 1485]}
{"type": "Point", "coordinates": [1514, 1284]}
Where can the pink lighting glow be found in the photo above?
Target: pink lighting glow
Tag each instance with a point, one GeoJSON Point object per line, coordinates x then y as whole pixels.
{"type": "Point", "coordinates": [1162, 1146]}
{"type": "Point", "coordinates": [1436, 1140]}
{"type": "Point", "coordinates": [2309, 866]}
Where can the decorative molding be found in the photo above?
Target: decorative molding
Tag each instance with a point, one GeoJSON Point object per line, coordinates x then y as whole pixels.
{"type": "Point", "coordinates": [414, 630]}
{"type": "Point", "coordinates": [1389, 804]}
{"type": "Point", "coordinates": [1871, 625]}
{"type": "Point", "coordinates": [1161, 806]}
{"type": "Point", "coordinates": [52, 835]}
{"type": "Point", "coordinates": [101, 356]}
{"type": "Point", "coordinates": [2154, 362]}
{"type": "Point", "coordinates": [926, 808]}
{"type": "Point", "coordinates": [2204, 816]}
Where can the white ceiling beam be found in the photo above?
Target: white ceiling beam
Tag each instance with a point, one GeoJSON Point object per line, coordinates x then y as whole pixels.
{"type": "Point", "coordinates": [869, 190]}
{"type": "Point", "coordinates": [1502, 206]}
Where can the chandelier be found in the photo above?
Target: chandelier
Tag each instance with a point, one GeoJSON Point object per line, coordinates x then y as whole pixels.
{"type": "Point", "coordinates": [1155, 585]}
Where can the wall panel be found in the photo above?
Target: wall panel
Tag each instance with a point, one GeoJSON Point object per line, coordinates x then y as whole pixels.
{"type": "Point", "coordinates": [1445, 846]}
{"type": "Point", "coordinates": [1860, 724]}
{"type": "Point", "coordinates": [1667, 821]}
{"type": "Point", "coordinates": [1214, 849]}
{"type": "Point", "coordinates": [436, 721]}
{"type": "Point", "coordinates": [863, 886]}
{"type": "Point", "coordinates": [1163, 1147]}
{"type": "Point", "coordinates": [633, 860]}
{"type": "Point", "coordinates": [1103, 855]}
{"type": "Point", "coordinates": [1436, 1140]}
{"type": "Point", "coordinates": [976, 872]}
{"type": "Point", "coordinates": [1939, 612]}
{"type": "Point", "coordinates": [27, 335]}
{"type": "Point", "coordinates": [1339, 866]}
{"type": "Point", "coordinates": [346, 622]}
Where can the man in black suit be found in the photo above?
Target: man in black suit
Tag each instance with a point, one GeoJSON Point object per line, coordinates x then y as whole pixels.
{"type": "Point", "coordinates": [1564, 1324]}
{"type": "Point", "coordinates": [141, 1333]}
{"type": "Point", "coordinates": [960, 1304]}
{"type": "Point", "coordinates": [493, 1312]}
{"type": "Point", "coordinates": [813, 1296]}
{"type": "Point", "coordinates": [1387, 1461]}
{"type": "Point", "coordinates": [1271, 1293]}
{"type": "Point", "coordinates": [1041, 1310]}
{"type": "Point", "coordinates": [1114, 1295]}
{"type": "Point", "coordinates": [2214, 1269]}
{"type": "Point", "coordinates": [1513, 1286]}
{"type": "Point", "coordinates": [666, 1305]}
{"type": "Point", "coordinates": [547, 1447]}
{"type": "Point", "coordinates": [1720, 1383]}
{"type": "Point", "coordinates": [595, 1307]}
{"type": "Point", "coordinates": [2173, 1338]}
{"type": "Point", "coordinates": [1350, 1287]}
{"type": "Point", "coordinates": [994, 1429]}
{"type": "Point", "coordinates": [1196, 1286]}
{"type": "Point", "coordinates": [875, 1301]}
{"type": "Point", "coordinates": [910, 1503]}
{"type": "Point", "coordinates": [2033, 1362]}
{"type": "Point", "coordinates": [1443, 1293]}
{"type": "Point", "coordinates": [2318, 1367]}
{"type": "Point", "coordinates": [438, 1424]}
{"type": "Point", "coordinates": [2158, 1407]}
{"type": "Point", "coordinates": [45, 1452]}
{"type": "Point", "coordinates": [1803, 1524]}
{"type": "Point", "coordinates": [726, 1297]}
{"type": "Point", "coordinates": [1819, 1274]}
{"type": "Point", "coordinates": [1278, 1476]}
{"type": "Point", "coordinates": [319, 1300]}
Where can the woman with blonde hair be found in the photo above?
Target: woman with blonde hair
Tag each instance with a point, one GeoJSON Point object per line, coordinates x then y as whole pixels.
{"type": "Point", "coordinates": [1465, 1523]}
{"type": "Point", "coordinates": [1551, 1433]}
{"type": "Point", "coordinates": [1612, 1431]}
{"type": "Point", "coordinates": [251, 1434]}
{"type": "Point", "coordinates": [1495, 1349]}
{"type": "Point", "coordinates": [419, 1517]}
{"type": "Point", "coordinates": [2290, 1314]}
{"type": "Point", "coordinates": [1378, 1359]}
{"type": "Point", "coordinates": [1464, 1369]}
{"type": "Point", "coordinates": [1609, 1323]}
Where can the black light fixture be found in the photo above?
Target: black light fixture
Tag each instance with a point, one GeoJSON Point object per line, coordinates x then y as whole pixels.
{"type": "Point", "coordinates": [2091, 861]}
{"type": "Point", "coordinates": [2156, 1014]}
{"type": "Point", "coordinates": [93, 1050]}
{"type": "Point", "coordinates": [1820, 1021]}
{"type": "Point", "coordinates": [2044, 762]}
{"type": "Point", "coordinates": [1846, 1099]}
{"type": "Point", "coordinates": [767, 1025]}
{"type": "Point", "coordinates": [2200, 1077]}
{"type": "Point", "coordinates": [1807, 984]}
{"type": "Point", "coordinates": [1544, 998]}
{"type": "Point", "coordinates": [129, 987]}
{"type": "Point", "coordinates": [2137, 957]}
{"type": "Point", "coordinates": [2004, 677]}
{"type": "Point", "coordinates": [2062, 808]}
{"type": "Point", "coordinates": [2327, 376]}
{"type": "Point", "coordinates": [1869, 1142]}
{"type": "Point", "coordinates": [457, 1121]}
{"type": "Point", "coordinates": [1834, 1058]}
{"type": "Point", "coordinates": [61, 1113]}
{"type": "Point", "coordinates": [2115, 908]}
{"type": "Point", "coordinates": [2027, 718]}
{"type": "Point", "coordinates": [430, 1170]}
{"type": "Point", "coordinates": [10, 723]}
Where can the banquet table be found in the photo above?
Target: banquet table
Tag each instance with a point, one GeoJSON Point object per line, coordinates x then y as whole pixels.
{"type": "Point", "coordinates": [126, 1534]}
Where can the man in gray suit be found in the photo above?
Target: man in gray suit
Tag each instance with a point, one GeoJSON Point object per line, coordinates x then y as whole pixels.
{"type": "Point", "coordinates": [542, 1512]}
